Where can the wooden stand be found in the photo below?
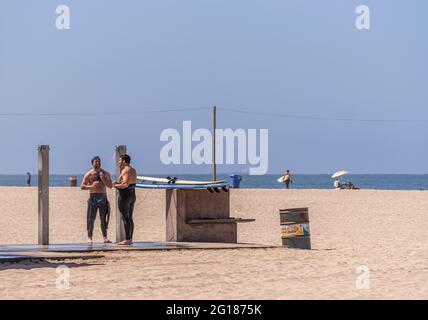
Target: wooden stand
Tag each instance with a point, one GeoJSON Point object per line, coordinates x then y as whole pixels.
{"type": "Point", "coordinates": [200, 216]}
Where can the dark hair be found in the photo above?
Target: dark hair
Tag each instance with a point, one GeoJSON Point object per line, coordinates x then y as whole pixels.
{"type": "Point", "coordinates": [95, 158]}
{"type": "Point", "coordinates": [126, 158]}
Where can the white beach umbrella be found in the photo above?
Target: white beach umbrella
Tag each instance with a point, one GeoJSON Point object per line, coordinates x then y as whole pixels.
{"type": "Point", "coordinates": [339, 174]}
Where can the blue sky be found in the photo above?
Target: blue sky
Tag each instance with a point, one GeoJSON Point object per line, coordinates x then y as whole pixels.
{"type": "Point", "coordinates": [296, 57]}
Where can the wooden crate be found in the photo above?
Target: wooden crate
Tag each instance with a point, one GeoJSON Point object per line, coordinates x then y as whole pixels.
{"type": "Point", "coordinates": [295, 230]}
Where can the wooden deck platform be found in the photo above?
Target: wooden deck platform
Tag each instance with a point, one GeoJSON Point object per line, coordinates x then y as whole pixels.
{"type": "Point", "coordinates": [18, 253]}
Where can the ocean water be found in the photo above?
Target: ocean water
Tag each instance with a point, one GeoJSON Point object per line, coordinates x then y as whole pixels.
{"type": "Point", "coordinates": [301, 181]}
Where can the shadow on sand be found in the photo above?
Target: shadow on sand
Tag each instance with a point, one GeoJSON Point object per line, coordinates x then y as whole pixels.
{"type": "Point", "coordinates": [43, 263]}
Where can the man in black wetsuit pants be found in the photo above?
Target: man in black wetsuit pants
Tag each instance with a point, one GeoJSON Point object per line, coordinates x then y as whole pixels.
{"type": "Point", "coordinates": [97, 181]}
{"type": "Point", "coordinates": [126, 200]}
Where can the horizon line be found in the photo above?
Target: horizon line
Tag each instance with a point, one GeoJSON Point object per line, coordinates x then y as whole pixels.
{"type": "Point", "coordinates": [220, 173]}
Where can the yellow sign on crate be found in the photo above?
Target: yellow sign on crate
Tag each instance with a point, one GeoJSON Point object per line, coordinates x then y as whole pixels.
{"type": "Point", "coordinates": [295, 230]}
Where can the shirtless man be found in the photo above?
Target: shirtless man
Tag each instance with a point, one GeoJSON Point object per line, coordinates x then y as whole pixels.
{"type": "Point", "coordinates": [126, 200]}
{"type": "Point", "coordinates": [97, 181]}
{"type": "Point", "coordinates": [287, 179]}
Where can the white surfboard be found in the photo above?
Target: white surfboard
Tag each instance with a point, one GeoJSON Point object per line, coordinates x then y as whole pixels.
{"type": "Point", "coordinates": [281, 179]}
{"type": "Point", "coordinates": [224, 186]}
{"type": "Point", "coordinates": [182, 182]}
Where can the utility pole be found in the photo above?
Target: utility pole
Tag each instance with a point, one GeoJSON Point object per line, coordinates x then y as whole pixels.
{"type": "Point", "coordinates": [213, 135]}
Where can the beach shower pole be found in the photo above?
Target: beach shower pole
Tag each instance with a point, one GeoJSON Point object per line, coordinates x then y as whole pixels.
{"type": "Point", "coordinates": [43, 195]}
{"type": "Point", "coordinates": [120, 229]}
{"type": "Point", "coordinates": [213, 134]}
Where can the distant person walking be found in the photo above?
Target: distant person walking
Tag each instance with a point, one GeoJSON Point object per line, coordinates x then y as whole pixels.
{"type": "Point", "coordinates": [28, 179]}
{"type": "Point", "coordinates": [125, 185]}
{"type": "Point", "coordinates": [97, 181]}
{"type": "Point", "coordinates": [288, 179]}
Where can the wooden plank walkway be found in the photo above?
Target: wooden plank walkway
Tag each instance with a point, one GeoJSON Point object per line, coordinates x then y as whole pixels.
{"type": "Point", "coordinates": [17, 253]}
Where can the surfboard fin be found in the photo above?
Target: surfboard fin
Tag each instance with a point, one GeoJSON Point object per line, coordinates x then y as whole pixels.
{"type": "Point", "coordinates": [171, 180]}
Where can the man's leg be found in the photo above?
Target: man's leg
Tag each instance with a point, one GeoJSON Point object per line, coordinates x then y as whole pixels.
{"type": "Point", "coordinates": [124, 205]}
{"type": "Point", "coordinates": [90, 218]}
{"type": "Point", "coordinates": [104, 208]}
{"type": "Point", "coordinates": [130, 215]}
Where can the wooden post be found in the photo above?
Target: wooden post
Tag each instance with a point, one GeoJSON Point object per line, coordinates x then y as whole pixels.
{"type": "Point", "coordinates": [43, 195]}
{"type": "Point", "coordinates": [120, 229]}
{"type": "Point", "coordinates": [213, 134]}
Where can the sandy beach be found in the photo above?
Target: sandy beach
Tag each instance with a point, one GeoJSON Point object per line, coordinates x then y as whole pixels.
{"type": "Point", "coordinates": [383, 232]}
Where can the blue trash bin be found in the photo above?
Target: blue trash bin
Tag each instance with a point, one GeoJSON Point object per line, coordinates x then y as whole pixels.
{"type": "Point", "coordinates": [234, 180]}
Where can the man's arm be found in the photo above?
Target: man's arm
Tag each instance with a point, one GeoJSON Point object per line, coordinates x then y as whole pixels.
{"type": "Point", "coordinates": [85, 182]}
{"type": "Point", "coordinates": [106, 179]}
{"type": "Point", "coordinates": [125, 180]}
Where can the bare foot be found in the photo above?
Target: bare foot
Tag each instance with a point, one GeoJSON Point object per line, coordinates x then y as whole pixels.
{"type": "Point", "coordinates": [90, 241]}
{"type": "Point", "coordinates": [125, 243]}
